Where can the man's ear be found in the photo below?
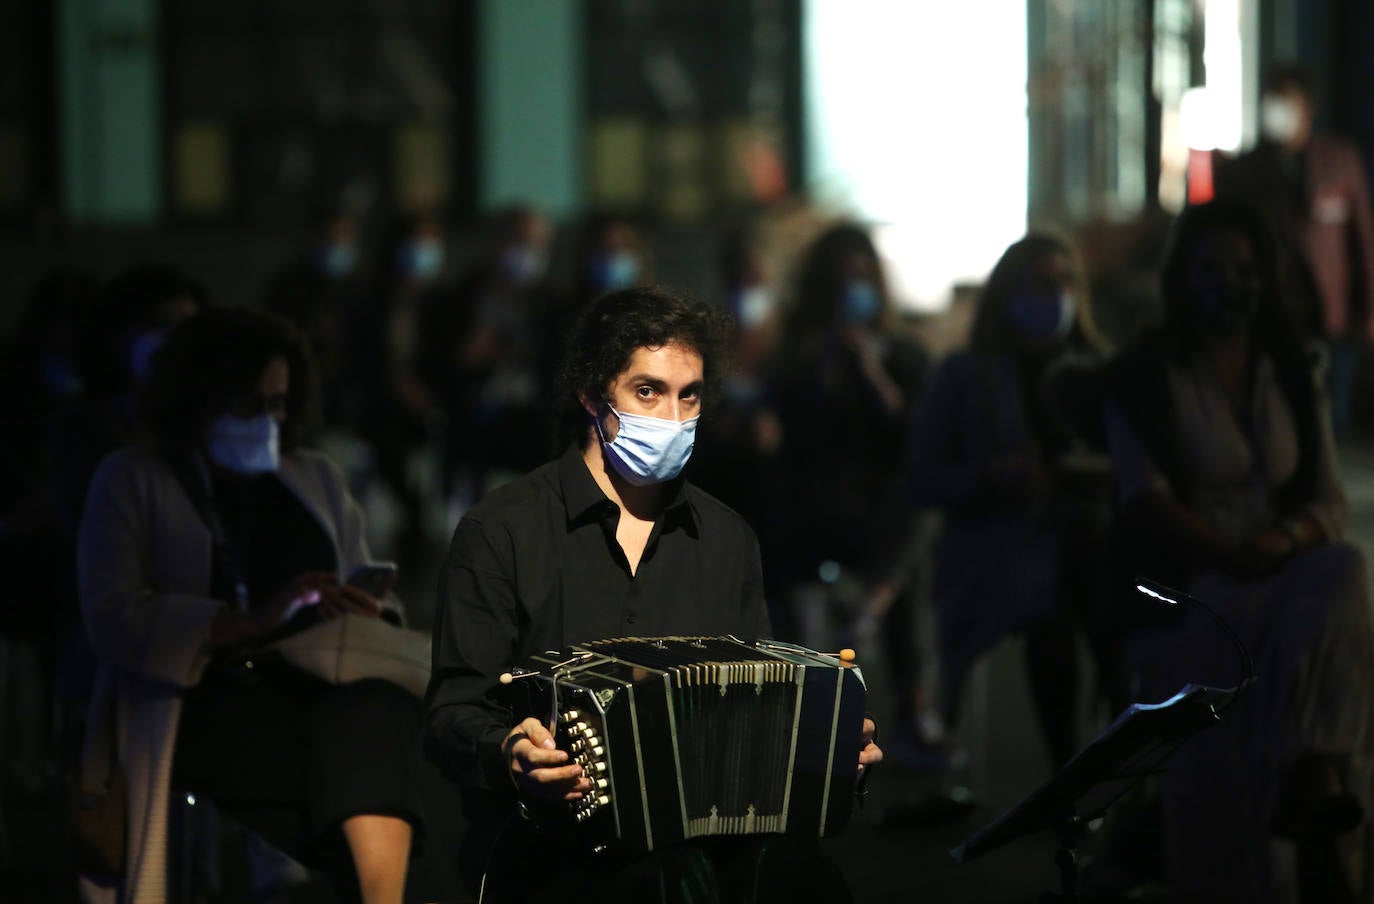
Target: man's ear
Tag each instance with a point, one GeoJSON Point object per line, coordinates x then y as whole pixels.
{"type": "Point", "coordinates": [587, 404]}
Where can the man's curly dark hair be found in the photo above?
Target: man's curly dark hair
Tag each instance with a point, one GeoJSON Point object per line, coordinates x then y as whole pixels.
{"type": "Point", "coordinates": [215, 357]}
{"type": "Point", "coordinates": [609, 331]}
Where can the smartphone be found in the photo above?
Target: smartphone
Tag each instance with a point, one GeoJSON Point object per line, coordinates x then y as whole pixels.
{"type": "Point", "coordinates": [374, 578]}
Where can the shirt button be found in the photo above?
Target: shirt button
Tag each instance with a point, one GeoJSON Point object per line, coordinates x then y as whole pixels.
{"type": "Point", "coordinates": [631, 619]}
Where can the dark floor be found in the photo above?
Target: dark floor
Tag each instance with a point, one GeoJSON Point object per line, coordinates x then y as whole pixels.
{"type": "Point", "coordinates": [899, 844]}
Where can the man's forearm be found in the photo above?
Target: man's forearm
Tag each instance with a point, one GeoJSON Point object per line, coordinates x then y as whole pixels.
{"type": "Point", "coordinates": [465, 740]}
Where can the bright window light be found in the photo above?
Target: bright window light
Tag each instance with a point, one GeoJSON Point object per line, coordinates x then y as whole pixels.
{"type": "Point", "coordinates": [1222, 56]}
{"type": "Point", "coordinates": [1200, 115]}
{"type": "Point", "coordinates": [916, 123]}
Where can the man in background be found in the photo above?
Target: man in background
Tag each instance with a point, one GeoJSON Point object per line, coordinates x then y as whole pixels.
{"type": "Point", "coordinates": [1311, 187]}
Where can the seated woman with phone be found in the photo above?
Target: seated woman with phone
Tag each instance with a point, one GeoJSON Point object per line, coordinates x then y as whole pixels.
{"type": "Point", "coordinates": [192, 552]}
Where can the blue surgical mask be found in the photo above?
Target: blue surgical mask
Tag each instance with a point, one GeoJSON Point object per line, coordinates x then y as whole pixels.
{"type": "Point", "coordinates": [648, 450]}
{"type": "Point", "coordinates": [142, 346]}
{"type": "Point", "coordinates": [523, 265]}
{"type": "Point", "coordinates": [423, 259]}
{"type": "Point", "coordinates": [337, 260]}
{"type": "Point", "coordinates": [614, 270]}
{"type": "Point", "coordinates": [245, 445]}
{"type": "Point", "coordinates": [860, 302]}
{"type": "Point", "coordinates": [59, 376]}
{"type": "Point", "coordinates": [753, 305]}
{"type": "Point", "coordinates": [1043, 315]}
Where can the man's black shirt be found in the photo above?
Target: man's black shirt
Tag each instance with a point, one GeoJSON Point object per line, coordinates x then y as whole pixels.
{"type": "Point", "coordinates": [536, 566]}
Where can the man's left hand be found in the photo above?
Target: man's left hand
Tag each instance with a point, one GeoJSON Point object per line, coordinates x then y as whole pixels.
{"type": "Point", "coordinates": [869, 752]}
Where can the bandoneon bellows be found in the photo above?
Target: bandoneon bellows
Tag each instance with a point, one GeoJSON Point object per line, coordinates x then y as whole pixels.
{"type": "Point", "coordinates": [685, 737]}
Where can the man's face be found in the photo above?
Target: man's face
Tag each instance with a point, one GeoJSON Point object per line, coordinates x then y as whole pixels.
{"type": "Point", "coordinates": [663, 382]}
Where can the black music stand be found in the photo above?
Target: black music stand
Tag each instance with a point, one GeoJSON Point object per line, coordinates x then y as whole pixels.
{"type": "Point", "coordinates": [1134, 746]}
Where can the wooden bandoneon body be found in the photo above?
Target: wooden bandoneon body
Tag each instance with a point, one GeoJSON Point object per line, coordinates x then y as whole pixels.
{"type": "Point", "coordinates": [686, 737]}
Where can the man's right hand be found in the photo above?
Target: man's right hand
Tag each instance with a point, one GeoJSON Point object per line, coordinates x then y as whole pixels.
{"type": "Point", "coordinates": [539, 769]}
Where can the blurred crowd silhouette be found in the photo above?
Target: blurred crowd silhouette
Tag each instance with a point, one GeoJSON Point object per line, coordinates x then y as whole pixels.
{"type": "Point", "coordinates": [921, 491]}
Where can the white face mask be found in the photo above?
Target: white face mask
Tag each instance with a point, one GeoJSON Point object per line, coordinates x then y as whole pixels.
{"type": "Point", "coordinates": [245, 445]}
{"type": "Point", "coordinates": [649, 449]}
{"type": "Point", "coordinates": [755, 304]}
{"type": "Point", "coordinates": [1280, 118]}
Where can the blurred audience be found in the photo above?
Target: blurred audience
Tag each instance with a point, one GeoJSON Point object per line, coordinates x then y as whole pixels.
{"type": "Point", "coordinates": [844, 387]}
{"type": "Point", "coordinates": [1312, 189]}
{"type": "Point", "coordinates": [401, 411]}
{"type": "Point", "coordinates": [39, 374]}
{"type": "Point", "coordinates": [1222, 460]}
{"type": "Point", "coordinates": [995, 450]}
{"type": "Point", "coordinates": [483, 352]}
{"type": "Point", "coordinates": [736, 457]}
{"type": "Point", "coordinates": [118, 337]}
{"type": "Point", "coordinates": [214, 535]}
{"type": "Point", "coordinates": [117, 340]}
{"type": "Point", "coordinates": [321, 291]}
{"type": "Point", "coordinates": [613, 256]}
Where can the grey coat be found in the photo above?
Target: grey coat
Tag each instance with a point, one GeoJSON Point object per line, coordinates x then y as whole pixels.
{"type": "Point", "coordinates": [144, 559]}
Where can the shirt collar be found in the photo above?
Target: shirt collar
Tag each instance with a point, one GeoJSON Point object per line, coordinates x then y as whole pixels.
{"type": "Point", "coordinates": [583, 498]}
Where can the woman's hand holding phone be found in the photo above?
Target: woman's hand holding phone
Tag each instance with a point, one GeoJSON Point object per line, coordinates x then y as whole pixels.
{"type": "Point", "coordinates": [312, 588]}
{"type": "Point", "coordinates": [366, 585]}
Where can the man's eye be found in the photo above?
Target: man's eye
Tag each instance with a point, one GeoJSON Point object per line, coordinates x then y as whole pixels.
{"type": "Point", "coordinates": [646, 392]}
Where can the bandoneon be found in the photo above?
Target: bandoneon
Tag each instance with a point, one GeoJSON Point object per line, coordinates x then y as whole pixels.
{"type": "Point", "coordinates": [684, 737]}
